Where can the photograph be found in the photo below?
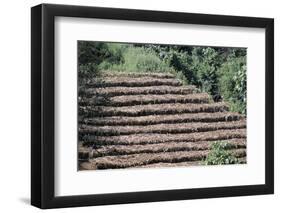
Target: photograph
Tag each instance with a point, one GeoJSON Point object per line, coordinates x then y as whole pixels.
{"type": "Point", "coordinates": [160, 105]}
{"type": "Point", "coordinates": [139, 105]}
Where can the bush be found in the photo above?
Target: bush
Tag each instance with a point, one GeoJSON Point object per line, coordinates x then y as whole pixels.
{"type": "Point", "coordinates": [92, 54]}
{"type": "Point", "coordinates": [233, 85]}
{"type": "Point", "coordinates": [219, 71]}
{"type": "Point", "coordinates": [137, 59]}
{"type": "Point", "coordinates": [205, 62]}
{"type": "Point", "coordinates": [87, 70]}
{"type": "Point", "coordinates": [220, 154]}
{"type": "Point", "coordinates": [199, 66]}
{"type": "Point", "coordinates": [181, 62]}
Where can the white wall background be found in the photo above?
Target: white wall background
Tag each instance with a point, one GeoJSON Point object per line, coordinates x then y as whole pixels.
{"type": "Point", "coordinates": [15, 105]}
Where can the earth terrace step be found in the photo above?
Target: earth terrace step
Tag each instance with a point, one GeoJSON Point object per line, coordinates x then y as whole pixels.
{"type": "Point", "coordinates": [118, 91]}
{"type": "Point", "coordinates": [159, 119]}
{"type": "Point", "coordinates": [163, 138]}
{"type": "Point", "coordinates": [136, 160]}
{"type": "Point", "coordinates": [88, 152]}
{"type": "Point", "coordinates": [160, 128]}
{"type": "Point", "coordinates": [180, 164]}
{"type": "Point", "coordinates": [130, 82]}
{"type": "Point", "coordinates": [241, 160]}
{"type": "Point", "coordinates": [136, 74]}
{"type": "Point", "coordinates": [84, 165]}
{"type": "Point", "coordinates": [152, 109]}
{"type": "Point", "coordinates": [131, 100]}
{"type": "Point", "coordinates": [89, 166]}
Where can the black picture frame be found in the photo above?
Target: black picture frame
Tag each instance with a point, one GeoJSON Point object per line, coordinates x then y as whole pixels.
{"type": "Point", "coordinates": [43, 105]}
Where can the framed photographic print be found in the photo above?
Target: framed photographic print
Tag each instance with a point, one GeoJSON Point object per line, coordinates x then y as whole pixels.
{"type": "Point", "coordinates": [139, 106]}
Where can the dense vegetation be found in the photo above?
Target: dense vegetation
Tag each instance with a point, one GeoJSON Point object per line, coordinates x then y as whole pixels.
{"type": "Point", "coordinates": [220, 71]}
{"type": "Point", "coordinates": [220, 154]}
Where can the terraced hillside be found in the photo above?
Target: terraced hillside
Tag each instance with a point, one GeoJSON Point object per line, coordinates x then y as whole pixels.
{"type": "Point", "coordinates": [151, 120]}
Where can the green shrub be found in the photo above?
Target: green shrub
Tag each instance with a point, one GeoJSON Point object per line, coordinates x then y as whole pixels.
{"type": "Point", "coordinates": [181, 62]}
{"type": "Point", "coordinates": [233, 83]}
{"type": "Point", "coordinates": [87, 70]}
{"type": "Point", "coordinates": [91, 52]}
{"type": "Point", "coordinates": [137, 59]}
{"type": "Point", "coordinates": [220, 154]}
{"type": "Point", "coordinates": [199, 65]}
{"type": "Point", "coordinates": [205, 62]}
{"type": "Point", "coordinates": [219, 71]}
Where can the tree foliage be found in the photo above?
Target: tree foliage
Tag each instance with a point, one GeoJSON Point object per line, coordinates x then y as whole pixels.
{"type": "Point", "coordinates": [220, 71]}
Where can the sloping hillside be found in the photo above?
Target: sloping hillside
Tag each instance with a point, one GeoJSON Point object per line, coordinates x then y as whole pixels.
{"type": "Point", "coordinates": [151, 120]}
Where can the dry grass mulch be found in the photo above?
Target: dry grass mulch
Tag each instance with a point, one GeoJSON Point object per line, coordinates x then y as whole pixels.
{"type": "Point", "coordinates": [136, 74]}
{"type": "Point", "coordinates": [152, 109]}
{"type": "Point", "coordinates": [164, 138]}
{"type": "Point", "coordinates": [130, 82]}
{"type": "Point", "coordinates": [124, 161]}
{"type": "Point", "coordinates": [131, 100]}
{"type": "Point", "coordinates": [163, 147]}
{"type": "Point", "coordinates": [159, 119]}
{"type": "Point", "coordinates": [151, 120]}
{"type": "Point", "coordinates": [161, 128]}
{"type": "Point", "coordinates": [117, 91]}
